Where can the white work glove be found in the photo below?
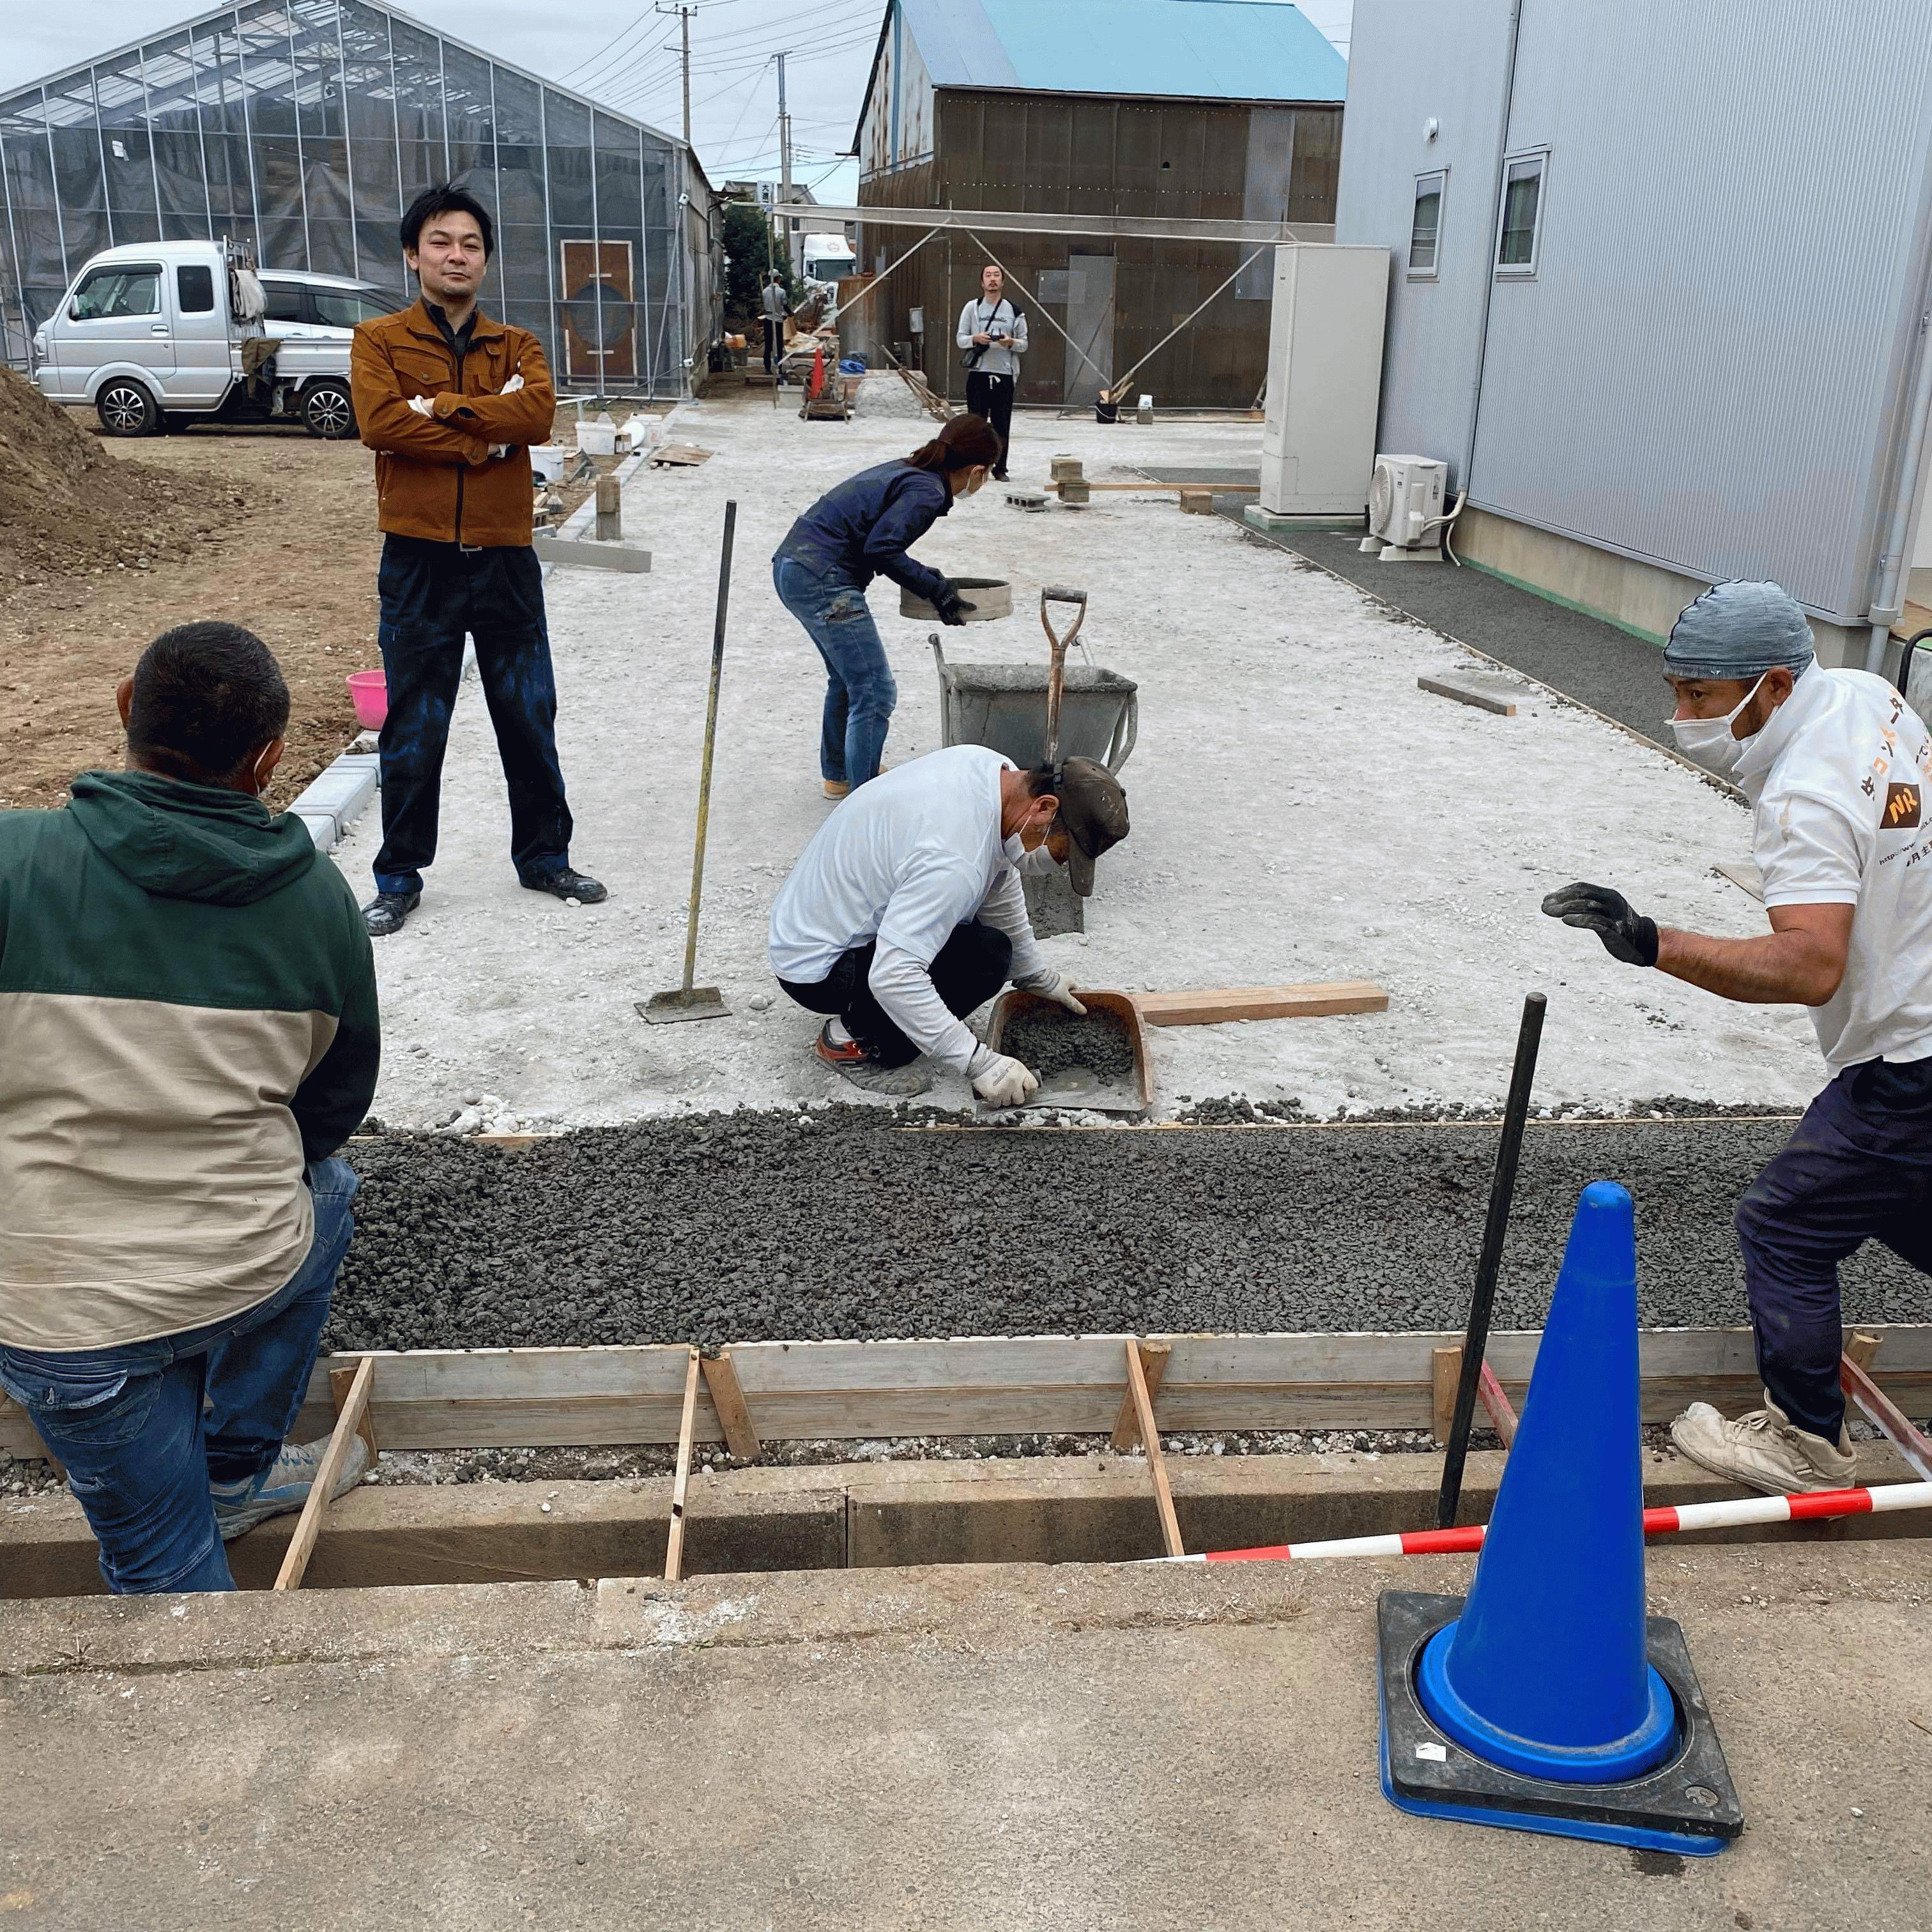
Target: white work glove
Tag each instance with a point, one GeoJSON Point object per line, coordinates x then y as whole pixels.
{"type": "Point", "coordinates": [499, 451]}
{"type": "Point", "coordinates": [511, 388]}
{"type": "Point", "coordinates": [1057, 987]}
{"type": "Point", "coordinates": [423, 406]}
{"type": "Point", "coordinates": [998, 1080]}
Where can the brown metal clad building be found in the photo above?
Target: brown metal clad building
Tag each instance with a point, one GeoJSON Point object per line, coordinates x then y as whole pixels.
{"type": "Point", "coordinates": [1149, 109]}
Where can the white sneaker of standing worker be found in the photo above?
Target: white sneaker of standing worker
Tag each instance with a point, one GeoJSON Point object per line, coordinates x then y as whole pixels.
{"type": "Point", "coordinates": [905, 912]}
{"type": "Point", "coordinates": [1836, 766]}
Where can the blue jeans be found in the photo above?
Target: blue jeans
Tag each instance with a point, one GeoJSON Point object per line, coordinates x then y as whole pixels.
{"type": "Point", "coordinates": [433, 595]}
{"type": "Point", "coordinates": [145, 1428]}
{"type": "Point", "coordinates": [1858, 1168]}
{"type": "Point", "coordinates": [859, 693]}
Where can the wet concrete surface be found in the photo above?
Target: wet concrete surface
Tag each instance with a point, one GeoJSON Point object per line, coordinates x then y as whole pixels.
{"type": "Point", "coordinates": [841, 1222]}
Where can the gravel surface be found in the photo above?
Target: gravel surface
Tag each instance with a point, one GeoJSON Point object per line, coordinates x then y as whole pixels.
{"type": "Point", "coordinates": [838, 1223]}
{"type": "Point", "coordinates": [1055, 1040]}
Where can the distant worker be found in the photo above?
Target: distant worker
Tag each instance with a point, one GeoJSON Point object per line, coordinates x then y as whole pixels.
{"type": "Point", "coordinates": [861, 530]}
{"type": "Point", "coordinates": [187, 1034]}
{"type": "Point", "coordinates": [450, 401]}
{"type": "Point", "coordinates": [993, 335]}
{"type": "Point", "coordinates": [1836, 768]}
{"type": "Point", "coordinates": [773, 304]}
{"type": "Point", "coordinates": [904, 914]}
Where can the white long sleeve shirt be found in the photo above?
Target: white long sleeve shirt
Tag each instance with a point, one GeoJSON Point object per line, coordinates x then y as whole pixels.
{"type": "Point", "coordinates": [905, 859]}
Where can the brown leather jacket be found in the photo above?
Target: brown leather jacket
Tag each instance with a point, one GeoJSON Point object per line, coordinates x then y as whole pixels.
{"type": "Point", "coordinates": [435, 477]}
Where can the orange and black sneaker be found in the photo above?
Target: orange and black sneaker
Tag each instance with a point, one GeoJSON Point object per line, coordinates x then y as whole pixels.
{"type": "Point", "coordinates": [850, 1061]}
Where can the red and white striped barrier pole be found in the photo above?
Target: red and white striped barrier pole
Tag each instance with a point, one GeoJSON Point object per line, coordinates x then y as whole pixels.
{"type": "Point", "coordinates": [1817, 1507]}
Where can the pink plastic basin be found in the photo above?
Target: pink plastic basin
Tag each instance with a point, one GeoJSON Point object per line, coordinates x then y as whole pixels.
{"type": "Point", "coordinates": [369, 692]}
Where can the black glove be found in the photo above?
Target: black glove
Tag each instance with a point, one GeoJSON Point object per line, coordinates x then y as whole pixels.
{"type": "Point", "coordinates": [950, 605]}
{"type": "Point", "coordinates": [1627, 935]}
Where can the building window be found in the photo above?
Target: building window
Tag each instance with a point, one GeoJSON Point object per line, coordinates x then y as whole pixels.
{"type": "Point", "coordinates": [1425, 228]}
{"type": "Point", "coordinates": [1516, 243]}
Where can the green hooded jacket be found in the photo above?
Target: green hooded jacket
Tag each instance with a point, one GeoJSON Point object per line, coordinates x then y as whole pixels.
{"type": "Point", "coordinates": [187, 1020]}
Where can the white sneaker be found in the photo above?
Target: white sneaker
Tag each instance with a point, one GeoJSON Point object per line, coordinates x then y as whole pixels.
{"type": "Point", "coordinates": [1763, 1450]}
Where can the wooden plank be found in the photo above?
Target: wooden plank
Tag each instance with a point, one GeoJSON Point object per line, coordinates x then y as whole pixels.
{"type": "Point", "coordinates": [1445, 1372]}
{"type": "Point", "coordinates": [341, 1386]}
{"type": "Point", "coordinates": [1861, 1348]}
{"type": "Point", "coordinates": [536, 1397]}
{"type": "Point", "coordinates": [1913, 620]}
{"type": "Point", "coordinates": [1211, 1006]}
{"type": "Point", "coordinates": [681, 1484]}
{"type": "Point", "coordinates": [1501, 1412]}
{"type": "Point", "coordinates": [727, 1402]}
{"type": "Point", "coordinates": [1154, 1357]}
{"type": "Point", "coordinates": [1481, 690]}
{"type": "Point", "coordinates": [302, 1545]}
{"type": "Point", "coordinates": [1143, 1403]}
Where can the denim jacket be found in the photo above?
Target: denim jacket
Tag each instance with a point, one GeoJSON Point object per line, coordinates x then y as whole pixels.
{"type": "Point", "coordinates": [863, 528]}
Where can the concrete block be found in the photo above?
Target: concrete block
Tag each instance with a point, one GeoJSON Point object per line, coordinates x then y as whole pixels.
{"type": "Point", "coordinates": [322, 828]}
{"type": "Point", "coordinates": [342, 790]}
{"type": "Point", "coordinates": [587, 552]}
{"type": "Point", "coordinates": [1482, 690]}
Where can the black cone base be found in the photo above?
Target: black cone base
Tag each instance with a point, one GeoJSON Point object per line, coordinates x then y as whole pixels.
{"type": "Point", "coordinates": [1687, 1804]}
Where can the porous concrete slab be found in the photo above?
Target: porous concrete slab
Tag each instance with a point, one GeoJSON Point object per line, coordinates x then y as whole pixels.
{"type": "Point", "coordinates": [1014, 1748]}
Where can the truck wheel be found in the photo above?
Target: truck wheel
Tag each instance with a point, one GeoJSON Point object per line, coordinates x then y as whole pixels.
{"type": "Point", "coordinates": [327, 411]}
{"type": "Point", "coordinates": [128, 408]}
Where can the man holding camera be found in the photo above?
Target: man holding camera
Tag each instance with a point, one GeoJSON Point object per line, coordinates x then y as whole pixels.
{"type": "Point", "coordinates": [993, 335]}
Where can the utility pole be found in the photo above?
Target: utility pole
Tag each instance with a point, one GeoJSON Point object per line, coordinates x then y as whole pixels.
{"type": "Point", "coordinates": [684, 14]}
{"type": "Point", "coordinates": [784, 166]}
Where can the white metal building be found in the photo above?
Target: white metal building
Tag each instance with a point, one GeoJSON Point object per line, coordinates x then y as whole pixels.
{"type": "Point", "coordinates": [1659, 290]}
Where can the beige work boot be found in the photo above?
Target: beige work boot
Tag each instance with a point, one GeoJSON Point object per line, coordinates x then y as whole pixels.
{"type": "Point", "coordinates": [1763, 1451]}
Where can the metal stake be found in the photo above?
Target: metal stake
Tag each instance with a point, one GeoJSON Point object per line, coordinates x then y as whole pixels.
{"type": "Point", "coordinates": [1489, 1264]}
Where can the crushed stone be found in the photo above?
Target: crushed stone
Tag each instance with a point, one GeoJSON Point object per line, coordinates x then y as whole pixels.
{"type": "Point", "coordinates": [839, 1222]}
{"type": "Point", "coordinates": [1052, 1040]}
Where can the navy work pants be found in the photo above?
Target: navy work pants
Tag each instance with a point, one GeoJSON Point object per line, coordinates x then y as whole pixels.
{"type": "Point", "coordinates": [434, 595]}
{"type": "Point", "coordinates": [1858, 1167]}
{"type": "Point", "coordinates": [967, 970]}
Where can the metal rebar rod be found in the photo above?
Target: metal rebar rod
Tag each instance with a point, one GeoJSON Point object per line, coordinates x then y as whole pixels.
{"type": "Point", "coordinates": [710, 744]}
{"type": "Point", "coordinates": [1489, 1264]}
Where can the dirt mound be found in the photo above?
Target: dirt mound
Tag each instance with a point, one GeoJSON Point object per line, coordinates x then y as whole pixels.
{"type": "Point", "coordinates": [66, 505]}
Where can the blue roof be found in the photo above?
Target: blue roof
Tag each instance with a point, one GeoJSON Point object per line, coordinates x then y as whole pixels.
{"type": "Point", "coordinates": [1181, 50]}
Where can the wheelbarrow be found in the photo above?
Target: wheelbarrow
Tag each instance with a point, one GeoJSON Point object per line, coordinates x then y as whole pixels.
{"type": "Point", "coordinates": [1037, 714]}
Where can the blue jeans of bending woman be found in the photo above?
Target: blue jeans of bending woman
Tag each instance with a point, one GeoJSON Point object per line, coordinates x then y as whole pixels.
{"type": "Point", "coordinates": [859, 693]}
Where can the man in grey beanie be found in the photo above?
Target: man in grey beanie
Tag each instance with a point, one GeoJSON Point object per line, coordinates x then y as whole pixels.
{"type": "Point", "coordinates": [1838, 770]}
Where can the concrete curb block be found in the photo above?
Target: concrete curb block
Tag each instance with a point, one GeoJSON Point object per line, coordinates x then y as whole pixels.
{"type": "Point", "coordinates": [336, 797]}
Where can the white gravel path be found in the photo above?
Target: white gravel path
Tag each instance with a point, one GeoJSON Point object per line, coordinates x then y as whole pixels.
{"type": "Point", "coordinates": [1301, 811]}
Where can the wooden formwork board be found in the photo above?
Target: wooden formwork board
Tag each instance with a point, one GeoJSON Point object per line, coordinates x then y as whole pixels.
{"type": "Point", "coordinates": [435, 1399]}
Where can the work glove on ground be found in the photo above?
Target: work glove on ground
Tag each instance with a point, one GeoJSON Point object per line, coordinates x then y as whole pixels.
{"type": "Point", "coordinates": [1626, 933]}
{"type": "Point", "coordinates": [951, 606]}
{"type": "Point", "coordinates": [1056, 986]}
{"type": "Point", "coordinates": [999, 1080]}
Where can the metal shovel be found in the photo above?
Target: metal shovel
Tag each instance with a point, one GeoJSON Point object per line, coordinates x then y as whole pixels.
{"type": "Point", "coordinates": [1056, 675]}
{"type": "Point", "coordinates": [687, 1002]}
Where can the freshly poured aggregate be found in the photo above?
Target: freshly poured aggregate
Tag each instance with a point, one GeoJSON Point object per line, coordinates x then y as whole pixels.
{"type": "Point", "coordinates": [1052, 1041]}
{"type": "Point", "coordinates": [851, 1222]}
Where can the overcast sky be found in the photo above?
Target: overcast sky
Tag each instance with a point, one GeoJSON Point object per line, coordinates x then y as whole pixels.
{"type": "Point", "coordinates": [619, 51]}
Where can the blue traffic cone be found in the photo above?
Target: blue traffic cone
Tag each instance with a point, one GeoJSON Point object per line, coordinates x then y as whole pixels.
{"type": "Point", "coordinates": [1542, 1706]}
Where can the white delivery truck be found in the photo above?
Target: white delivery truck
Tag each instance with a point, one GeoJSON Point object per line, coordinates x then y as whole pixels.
{"type": "Point", "coordinates": [155, 331]}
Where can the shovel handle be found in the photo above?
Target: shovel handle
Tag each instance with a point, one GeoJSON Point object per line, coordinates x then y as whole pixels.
{"type": "Point", "coordinates": [1056, 675]}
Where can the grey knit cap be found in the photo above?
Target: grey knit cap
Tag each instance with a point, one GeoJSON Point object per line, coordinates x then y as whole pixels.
{"type": "Point", "coordinates": [1738, 630]}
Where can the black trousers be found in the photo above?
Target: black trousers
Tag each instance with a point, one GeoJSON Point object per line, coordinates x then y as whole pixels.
{"type": "Point", "coordinates": [433, 595]}
{"type": "Point", "coordinates": [774, 339]}
{"type": "Point", "coordinates": [992, 397]}
{"type": "Point", "coordinates": [970, 968]}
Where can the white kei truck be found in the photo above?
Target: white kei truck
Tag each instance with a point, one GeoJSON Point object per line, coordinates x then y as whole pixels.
{"type": "Point", "coordinates": [154, 335]}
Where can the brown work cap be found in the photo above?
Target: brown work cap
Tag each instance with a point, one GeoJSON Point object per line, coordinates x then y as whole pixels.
{"type": "Point", "coordinates": [1092, 814]}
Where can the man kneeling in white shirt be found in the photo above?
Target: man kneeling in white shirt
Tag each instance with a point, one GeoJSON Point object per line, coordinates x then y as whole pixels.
{"type": "Point", "coordinates": [905, 912]}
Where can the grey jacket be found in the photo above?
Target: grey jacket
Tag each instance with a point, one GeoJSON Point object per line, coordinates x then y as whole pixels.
{"type": "Point", "coordinates": [982, 317]}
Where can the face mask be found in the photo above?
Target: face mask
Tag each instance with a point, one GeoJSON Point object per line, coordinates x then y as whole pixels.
{"type": "Point", "coordinates": [1015, 848]}
{"type": "Point", "coordinates": [1708, 740]}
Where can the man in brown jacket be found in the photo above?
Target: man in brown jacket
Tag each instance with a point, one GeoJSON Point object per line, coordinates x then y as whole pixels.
{"type": "Point", "coordinates": [450, 402]}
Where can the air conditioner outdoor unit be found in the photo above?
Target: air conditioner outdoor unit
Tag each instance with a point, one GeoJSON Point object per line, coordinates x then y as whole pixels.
{"type": "Point", "coordinates": [1405, 509]}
